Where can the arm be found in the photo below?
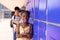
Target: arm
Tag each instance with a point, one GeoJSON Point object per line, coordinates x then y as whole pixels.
{"type": "Point", "coordinates": [17, 31]}
{"type": "Point", "coordinates": [30, 34]}
{"type": "Point", "coordinates": [13, 20]}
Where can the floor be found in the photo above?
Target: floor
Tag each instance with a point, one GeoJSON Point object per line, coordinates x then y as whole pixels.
{"type": "Point", "coordinates": [5, 30]}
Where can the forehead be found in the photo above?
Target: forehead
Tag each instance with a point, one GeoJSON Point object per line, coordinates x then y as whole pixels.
{"type": "Point", "coordinates": [17, 10]}
{"type": "Point", "coordinates": [24, 13]}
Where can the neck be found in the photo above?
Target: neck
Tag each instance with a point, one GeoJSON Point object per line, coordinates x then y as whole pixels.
{"type": "Point", "coordinates": [16, 14]}
{"type": "Point", "coordinates": [24, 24]}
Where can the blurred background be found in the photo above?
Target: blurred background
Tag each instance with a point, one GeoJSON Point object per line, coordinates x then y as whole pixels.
{"type": "Point", "coordinates": [45, 15]}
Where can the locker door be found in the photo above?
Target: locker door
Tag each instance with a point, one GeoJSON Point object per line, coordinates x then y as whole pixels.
{"type": "Point", "coordinates": [53, 27]}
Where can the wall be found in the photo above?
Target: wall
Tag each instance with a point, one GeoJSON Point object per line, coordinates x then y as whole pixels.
{"type": "Point", "coordinates": [46, 14]}
{"type": "Point", "coordinates": [53, 28]}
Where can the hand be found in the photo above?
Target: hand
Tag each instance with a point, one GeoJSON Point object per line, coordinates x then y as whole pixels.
{"type": "Point", "coordinates": [18, 22]}
{"type": "Point", "coordinates": [18, 36]}
{"type": "Point", "coordinates": [14, 29]}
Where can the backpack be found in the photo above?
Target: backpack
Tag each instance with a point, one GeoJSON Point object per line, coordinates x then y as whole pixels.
{"type": "Point", "coordinates": [11, 25]}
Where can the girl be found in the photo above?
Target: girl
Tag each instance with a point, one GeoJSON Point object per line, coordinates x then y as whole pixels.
{"type": "Point", "coordinates": [24, 30]}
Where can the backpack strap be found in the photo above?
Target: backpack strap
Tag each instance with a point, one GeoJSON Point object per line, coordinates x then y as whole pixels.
{"type": "Point", "coordinates": [14, 16]}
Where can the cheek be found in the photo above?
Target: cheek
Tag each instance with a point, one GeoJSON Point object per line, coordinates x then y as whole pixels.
{"type": "Point", "coordinates": [23, 18]}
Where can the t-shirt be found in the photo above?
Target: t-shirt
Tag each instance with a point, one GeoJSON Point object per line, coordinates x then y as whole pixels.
{"type": "Point", "coordinates": [16, 18]}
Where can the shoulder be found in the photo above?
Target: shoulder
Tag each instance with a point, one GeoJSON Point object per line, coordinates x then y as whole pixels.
{"type": "Point", "coordinates": [12, 17]}
{"type": "Point", "coordinates": [31, 25]}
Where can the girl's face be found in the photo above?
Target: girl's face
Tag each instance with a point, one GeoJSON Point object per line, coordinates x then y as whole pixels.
{"type": "Point", "coordinates": [25, 17]}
